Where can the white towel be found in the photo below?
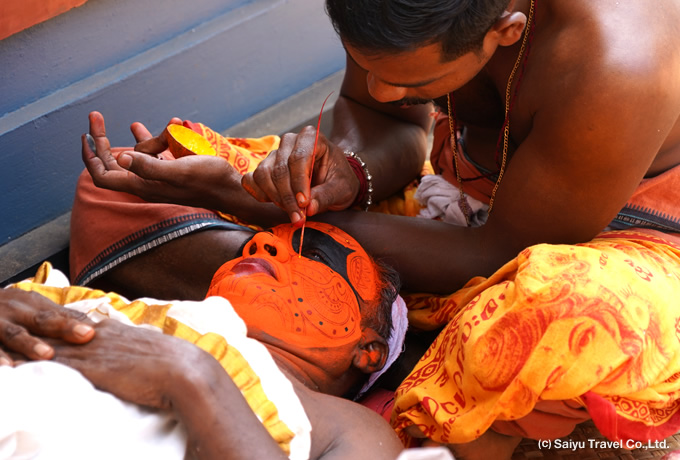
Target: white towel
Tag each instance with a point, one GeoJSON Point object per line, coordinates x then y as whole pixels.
{"type": "Point", "coordinates": [441, 200]}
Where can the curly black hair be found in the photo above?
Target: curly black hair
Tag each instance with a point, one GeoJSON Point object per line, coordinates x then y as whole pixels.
{"type": "Point", "coordinates": [377, 27]}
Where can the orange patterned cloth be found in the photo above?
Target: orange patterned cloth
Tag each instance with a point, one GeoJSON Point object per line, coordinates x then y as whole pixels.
{"type": "Point", "coordinates": [595, 324]}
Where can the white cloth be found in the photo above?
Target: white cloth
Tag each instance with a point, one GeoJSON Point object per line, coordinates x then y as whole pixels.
{"type": "Point", "coordinates": [396, 342]}
{"type": "Point", "coordinates": [426, 453]}
{"type": "Point", "coordinates": [49, 411]}
{"type": "Point", "coordinates": [441, 200]}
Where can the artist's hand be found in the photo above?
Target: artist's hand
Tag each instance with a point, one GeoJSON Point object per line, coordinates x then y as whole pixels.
{"type": "Point", "coordinates": [284, 176]}
{"type": "Point", "coordinates": [26, 316]}
{"type": "Point", "coordinates": [196, 180]}
{"type": "Point", "coordinates": [137, 365]}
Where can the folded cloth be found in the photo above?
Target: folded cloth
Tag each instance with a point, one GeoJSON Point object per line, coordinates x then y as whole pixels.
{"type": "Point", "coordinates": [594, 325]}
{"type": "Point", "coordinates": [441, 200]}
{"type": "Point", "coordinates": [212, 325]}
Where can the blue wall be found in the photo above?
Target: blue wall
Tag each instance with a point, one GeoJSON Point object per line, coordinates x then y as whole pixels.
{"type": "Point", "coordinates": [214, 61]}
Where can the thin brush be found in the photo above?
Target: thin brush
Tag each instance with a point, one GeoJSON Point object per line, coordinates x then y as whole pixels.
{"type": "Point", "coordinates": [316, 141]}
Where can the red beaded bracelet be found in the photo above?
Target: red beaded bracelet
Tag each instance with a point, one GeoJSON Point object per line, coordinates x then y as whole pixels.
{"type": "Point", "coordinates": [365, 194]}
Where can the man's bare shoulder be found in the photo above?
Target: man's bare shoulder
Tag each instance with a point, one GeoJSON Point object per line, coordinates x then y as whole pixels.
{"type": "Point", "coordinates": [608, 56]}
{"type": "Point", "coordinates": [344, 429]}
{"type": "Point", "coordinates": [596, 55]}
{"type": "Point", "coordinates": [631, 38]}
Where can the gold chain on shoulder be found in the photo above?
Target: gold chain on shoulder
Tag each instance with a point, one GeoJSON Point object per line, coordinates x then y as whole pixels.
{"type": "Point", "coordinates": [506, 126]}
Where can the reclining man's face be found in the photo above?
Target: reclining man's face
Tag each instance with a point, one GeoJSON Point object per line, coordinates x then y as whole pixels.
{"type": "Point", "coordinates": [309, 301]}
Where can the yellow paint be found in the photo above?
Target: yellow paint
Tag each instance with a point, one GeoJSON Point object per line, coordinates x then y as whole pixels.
{"type": "Point", "coordinates": [183, 141]}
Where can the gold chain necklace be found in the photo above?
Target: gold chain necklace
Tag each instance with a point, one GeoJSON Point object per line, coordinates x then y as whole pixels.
{"type": "Point", "coordinates": [506, 126]}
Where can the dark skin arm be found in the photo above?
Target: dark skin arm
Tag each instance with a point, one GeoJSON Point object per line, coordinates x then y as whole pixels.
{"type": "Point", "coordinates": [353, 431]}
{"type": "Point", "coordinates": [596, 108]}
{"type": "Point", "coordinates": [160, 371]}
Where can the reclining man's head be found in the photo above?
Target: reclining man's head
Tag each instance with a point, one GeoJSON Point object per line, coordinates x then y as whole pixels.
{"type": "Point", "coordinates": [324, 313]}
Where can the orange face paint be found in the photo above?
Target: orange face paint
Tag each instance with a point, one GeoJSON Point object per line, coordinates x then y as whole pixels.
{"type": "Point", "coordinates": [310, 301]}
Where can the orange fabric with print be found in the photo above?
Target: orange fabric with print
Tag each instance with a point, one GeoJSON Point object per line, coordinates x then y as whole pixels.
{"type": "Point", "coordinates": [301, 301]}
{"type": "Point", "coordinates": [551, 326]}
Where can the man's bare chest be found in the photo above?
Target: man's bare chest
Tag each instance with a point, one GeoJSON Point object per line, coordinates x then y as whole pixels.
{"type": "Point", "coordinates": [480, 108]}
{"type": "Point", "coordinates": [478, 104]}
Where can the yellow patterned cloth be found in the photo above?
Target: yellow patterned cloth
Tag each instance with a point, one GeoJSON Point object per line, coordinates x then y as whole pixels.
{"type": "Point", "coordinates": [213, 326]}
{"type": "Point", "coordinates": [596, 324]}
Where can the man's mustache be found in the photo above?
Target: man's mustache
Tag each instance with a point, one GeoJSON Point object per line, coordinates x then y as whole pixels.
{"type": "Point", "coordinates": [408, 101]}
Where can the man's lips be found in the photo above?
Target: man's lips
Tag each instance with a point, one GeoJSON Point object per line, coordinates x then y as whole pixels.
{"type": "Point", "coordinates": [254, 265]}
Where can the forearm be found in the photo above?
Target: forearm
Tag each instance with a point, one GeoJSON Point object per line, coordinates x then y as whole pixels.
{"type": "Point", "coordinates": [236, 201]}
{"type": "Point", "coordinates": [218, 420]}
{"type": "Point", "coordinates": [393, 149]}
{"type": "Point", "coordinates": [231, 198]}
{"type": "Point", "coordinates": [430, 256]}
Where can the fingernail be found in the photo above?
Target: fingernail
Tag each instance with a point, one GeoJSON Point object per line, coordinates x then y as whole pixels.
{"type": "Point", "coordinates": [295, 217]}
{"type": "Point", "coordinates": [125, 160]}
{"type": "Point", "coordinates": [5, 362]}
{"type": "Point", "coordinates": [42, 350]}
{"type": "Point", "coordinates": [82, 330]}
{"type": "Point", "coordinates": [90, 142]}
{"type": "Point", "coordinates": [301, 199]}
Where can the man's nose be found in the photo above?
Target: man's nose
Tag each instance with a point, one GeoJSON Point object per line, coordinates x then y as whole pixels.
{"type": "Point", "coordinates": [265, 244]}
{"type": "Point", "coordinates": [383, 92]}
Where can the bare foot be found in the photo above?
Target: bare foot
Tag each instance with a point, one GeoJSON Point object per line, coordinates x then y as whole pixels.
{"type": "Point", "coordinates": [490, 445]}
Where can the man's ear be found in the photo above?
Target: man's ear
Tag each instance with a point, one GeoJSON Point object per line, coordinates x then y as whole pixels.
{"type": "Point", "coordinates": [371, 352]}
{"type": "Point", "coordinates": [508, 29]}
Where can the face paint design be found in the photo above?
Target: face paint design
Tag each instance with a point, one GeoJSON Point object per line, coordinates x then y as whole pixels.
{"type": "Point", "coordinates": [310, 301]}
